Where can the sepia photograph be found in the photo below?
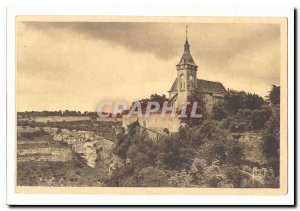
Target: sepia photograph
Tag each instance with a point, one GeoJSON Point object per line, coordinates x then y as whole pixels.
{"type": "Point", "coordinates": [167, 104]}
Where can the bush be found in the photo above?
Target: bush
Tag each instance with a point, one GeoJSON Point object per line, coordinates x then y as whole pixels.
{"type": "Point", "coordinates": [215, 177]}
{"type": "Point", "coordinates": [258, 118]}
{"type": "Point", "coordinates": [274, 95]}
{"type": "Point", "coordinates": [174, 154]}
{"type": "Point", "coordinates": [234, 176]}
{"type": "Point", "coordinates": [181, 179]}
{"type": "Point", "coordinates": [235, 154]}
{"type": "Point", "coordinates": [234, 101]}
{"type": "Point", "coordinates": [152, 177]}
{"type": "Point", "coordinates": [218, 112]}
{"type": "Point", "coordinates": [119, 176]}
{"type": "Point", "coordinates": [236, 127]}
{"type": "Point", "coordinates": [271, 140]}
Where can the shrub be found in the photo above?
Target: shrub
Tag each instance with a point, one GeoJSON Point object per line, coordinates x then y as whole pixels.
{"type": "Point", "coordinates": [218, 112]}
{"type": "Point", "coordinates": [259, 118]}
{"type": "Point", "coordinates": [174, 154]}
{"type": "Point", "coordinates": [274, 95]}
{"type": "Point", "coordinates": [215, 177]}
{"type": "Point", "coordinates": [181, 179]}
{"type": "Point", "coordinates": [234, 101]}
{"type": "Point", "coordinates": [152, 177]}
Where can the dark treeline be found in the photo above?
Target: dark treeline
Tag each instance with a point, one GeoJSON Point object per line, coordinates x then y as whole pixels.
{"type": "Point", "coordinates": [56, 113]}
{"type": "Point", "coordinates": [153, 98]}
{"type": "Point", "coordinates": [202, 154]}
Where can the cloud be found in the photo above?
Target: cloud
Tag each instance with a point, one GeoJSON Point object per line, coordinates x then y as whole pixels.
{"type": "Point", "coordinates": [73, 65]}
{"type": "Point", "coordinates": [213, 41]}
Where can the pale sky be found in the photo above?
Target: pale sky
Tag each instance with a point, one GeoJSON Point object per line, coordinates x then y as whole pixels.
{"type": "Point", "coordinates": [75, 65]}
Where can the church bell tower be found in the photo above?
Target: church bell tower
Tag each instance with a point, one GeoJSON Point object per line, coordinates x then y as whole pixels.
{"type": "Point", "coordinates": [186, 74]}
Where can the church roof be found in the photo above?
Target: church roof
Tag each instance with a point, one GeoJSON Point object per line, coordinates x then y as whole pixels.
{"type": "Point", "coordinates": [211, 87]}
{"type": "Point", "coordinates": [187, 57]}
{"type": "Point", "coordinates": [205, 86]}
{"type": "Point", "coordinates": [174, 86]}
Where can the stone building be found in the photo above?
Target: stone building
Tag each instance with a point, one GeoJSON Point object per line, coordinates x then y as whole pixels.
{"type": "Point", "coordinates": [185, 83]}
{"type": "Point", "coordinates": [154, 122]}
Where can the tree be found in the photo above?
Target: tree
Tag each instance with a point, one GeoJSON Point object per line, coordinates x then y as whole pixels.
{"type": "Point", "coordinates": [153, 98]}
{"type": "Point", "coordinates": [133, 128]}
{"type": "Point", "coordinates": [158, 98]}
{"type": "Point", "coordinates": [270, 180]}
{"type": "Point", "coordinates": [181, 179]}
{"type": "Point", "coordinates": [152, 177]}
{"type": "Point", "coordinates": [234, 175]}
{"type": "Point", "coordinates": [195, 97]}
{"type": "Point", "coordinates": [214, 142]}
{"type": "Point", "coordinates": [234, 101]}
{"type": "Point", "coordinates": [253, 101]}
{"type": "Point", "coordinates": [175, 154]}
{"type": "Point", "coordinates": [197, 169]}
{"type": "Point", "coordinates": [142, 154]}
{"type": "Point", "coordinates": [215, 177]}
{"type": "Point", "coordinates": [121, 149]}
{"type": "Point", "coordinates": [218, 112]}
{"type": "Point", "coordinates": [274, 95]}
{"type": "Point", "coordinates": [192, 135]}
{"type": "Point", "coordinates": [235, 154]}
{"type": "Point", "coordinates": [120, 175]}
{"type": "Point", "coordinates": [271, 140]}
{"type": "Point", "coordinates": [259, 117]}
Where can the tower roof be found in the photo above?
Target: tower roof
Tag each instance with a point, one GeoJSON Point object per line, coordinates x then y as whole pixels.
{"type": "Point", "coordinates": [187, 57]}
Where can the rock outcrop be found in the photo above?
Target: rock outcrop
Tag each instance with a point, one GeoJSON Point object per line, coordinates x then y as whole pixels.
{"type": "Point", "coordinates": [89, 146]}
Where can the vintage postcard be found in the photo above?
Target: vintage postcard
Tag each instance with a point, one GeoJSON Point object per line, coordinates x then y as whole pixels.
{"type": "Point", "coordinates": [151, 105]}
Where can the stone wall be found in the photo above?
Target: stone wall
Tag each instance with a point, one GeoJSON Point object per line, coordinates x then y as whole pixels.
{"type": "Point", "coordinates": [154, 122]}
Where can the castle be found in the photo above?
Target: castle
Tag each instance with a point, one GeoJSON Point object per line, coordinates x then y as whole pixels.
{"type": "Point", "coordinates": [185, 83]}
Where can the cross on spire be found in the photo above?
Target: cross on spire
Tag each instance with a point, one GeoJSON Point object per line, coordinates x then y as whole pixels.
{"type": "Point", "coordinates": [186, 57]}
{"type": "Point", "coordinates": [186, 45]}
{"type": "Point", "coordinates": [186, 31]}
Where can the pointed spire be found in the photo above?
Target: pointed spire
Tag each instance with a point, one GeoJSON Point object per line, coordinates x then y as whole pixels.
{"type": "Point", "coordinates": [186, 57]}
{"type": "Point", "coordinates": [186, 32]}
{"type": "Point", "coordinates": [186, 45]}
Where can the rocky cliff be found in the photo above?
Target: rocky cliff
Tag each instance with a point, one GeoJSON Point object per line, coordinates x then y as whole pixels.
{"type": "Point", "coordinates": [86, 144]}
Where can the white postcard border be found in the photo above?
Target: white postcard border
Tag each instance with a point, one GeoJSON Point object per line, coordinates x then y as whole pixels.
{"type": "Point", "coordinates": [134, 8]}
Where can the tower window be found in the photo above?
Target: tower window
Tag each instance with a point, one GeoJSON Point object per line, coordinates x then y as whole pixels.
{"type": "Point", "coordinates": [182, 82]}
{"type": "Point", "coordinates": [192, 81]}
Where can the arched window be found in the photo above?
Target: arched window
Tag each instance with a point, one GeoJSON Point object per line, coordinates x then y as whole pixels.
{"type": "Point", "coordinates": [182, 82]}
{"type": "Point", "coordinates": [192, 81]}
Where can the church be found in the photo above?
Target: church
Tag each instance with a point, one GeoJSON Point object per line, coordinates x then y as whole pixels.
{"type": "Point", "coordinates": [184, 84]}
{"type": "Point", "coordinates": [187, 81]}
